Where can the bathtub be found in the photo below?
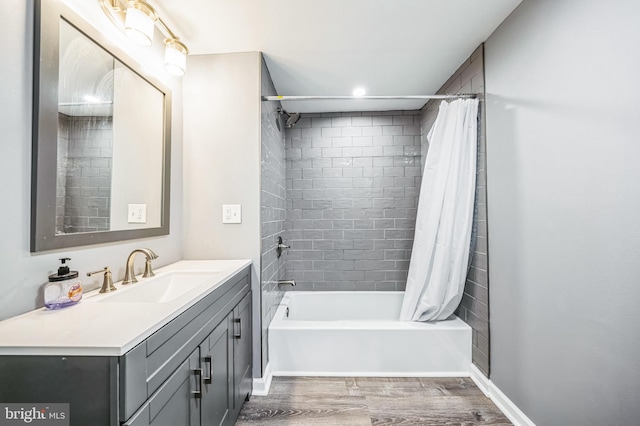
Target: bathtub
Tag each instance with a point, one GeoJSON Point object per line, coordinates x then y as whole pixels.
{"type": "Point", "coordinates": [349, 333]}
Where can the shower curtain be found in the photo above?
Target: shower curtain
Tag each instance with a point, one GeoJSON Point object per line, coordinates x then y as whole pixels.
{"type": "Point", "coordinates": [441, 245]}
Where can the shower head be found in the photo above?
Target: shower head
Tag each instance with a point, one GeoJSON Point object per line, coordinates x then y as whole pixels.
{"type": "Point", "coordinates": [290, 119]}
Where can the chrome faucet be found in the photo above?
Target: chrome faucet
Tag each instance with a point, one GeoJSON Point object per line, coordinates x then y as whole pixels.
{"type": "Point", "coordinates": [129, 275]}
{"type": "Point", "coordinates": [280, 246]}
{"type": "Point", "coordinates": [287, 282]}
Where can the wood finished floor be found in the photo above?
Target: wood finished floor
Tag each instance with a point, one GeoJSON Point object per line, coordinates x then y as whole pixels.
{"type": "Point", "coordinates": [355, 401]}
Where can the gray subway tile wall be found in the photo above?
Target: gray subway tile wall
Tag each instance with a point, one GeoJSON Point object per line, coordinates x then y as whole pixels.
{"type": "Point", "coordinates": [352, 182]}
{"type": "Point", "coordinates": [83, 186]}
{"type": "Point", "coordinates": [272, 208]}
{"type": "Point", "coordinates": [474, 308]}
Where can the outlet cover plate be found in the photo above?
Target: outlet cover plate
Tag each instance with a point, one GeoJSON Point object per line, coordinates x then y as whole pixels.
{"type": "Point", "coordinates": [137, 213]}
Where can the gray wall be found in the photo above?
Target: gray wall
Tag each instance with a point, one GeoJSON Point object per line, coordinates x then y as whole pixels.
{"type": "Point", "coordinates": [564, 196]}
{"type": "Point", "coordinates": [353, 181]}
{"type": "Point", "coordinates": [272, 206]}
{"type": "Point", "coordinates": [24, 273]}
{"type": "Point", "coordinates": [474, 308]}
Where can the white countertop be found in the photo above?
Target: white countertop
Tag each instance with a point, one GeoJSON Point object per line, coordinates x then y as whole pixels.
{"type": "Point", "coordinates": [91, 328]}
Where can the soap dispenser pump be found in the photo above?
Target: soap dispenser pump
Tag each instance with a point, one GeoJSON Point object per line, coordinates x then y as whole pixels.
{"type": "Point", "coordinates": [64, 288]}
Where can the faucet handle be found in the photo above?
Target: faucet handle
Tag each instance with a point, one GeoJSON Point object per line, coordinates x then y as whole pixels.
{"type": "Point", "coordinates": [280, 246]}
{"type": "Point", "coordinates": [148, 270]}
{"type": "Point", "coordinates": [107, 282]}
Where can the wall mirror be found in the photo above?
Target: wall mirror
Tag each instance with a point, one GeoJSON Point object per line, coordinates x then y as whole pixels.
{"type": "Point", "coordinates": [101, 138]}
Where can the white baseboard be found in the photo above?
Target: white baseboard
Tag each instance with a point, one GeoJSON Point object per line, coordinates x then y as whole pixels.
{"type": "Point", "coordinates": [369, 374]}
{"type": "Point", "coordinates": [480, 380]}
{"type": "Point", "coordinates": [261, 385]}
{"type": "Point", "coordinates": [513, 413]}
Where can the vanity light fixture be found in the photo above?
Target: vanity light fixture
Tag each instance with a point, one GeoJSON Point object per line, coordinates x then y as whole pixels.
{"type": "Point", "coordinates": [139, 22]}
{"type": "Point", "coordinates": [138, 19]}
{"type": "Point", "coordinates": [175, 56]}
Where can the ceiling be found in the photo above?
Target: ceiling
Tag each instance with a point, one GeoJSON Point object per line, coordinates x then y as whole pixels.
{"type": "Point", "coordinates": [329, 47]}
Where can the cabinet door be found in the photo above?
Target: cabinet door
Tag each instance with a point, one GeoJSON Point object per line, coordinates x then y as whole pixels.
{"type": "Point", "coordinates": [242, 373]}
{"type": "Point", "coordinates": [215, 376]}
{"type": "Point", "coordinates": [177, 401]}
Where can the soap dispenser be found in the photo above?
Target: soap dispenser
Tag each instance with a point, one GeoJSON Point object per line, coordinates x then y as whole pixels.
{"type": "Point", "coordinates": [64, 288]}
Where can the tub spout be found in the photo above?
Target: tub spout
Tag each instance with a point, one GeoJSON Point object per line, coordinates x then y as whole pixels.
{"type": "Point", "coordinates": [287, 282]}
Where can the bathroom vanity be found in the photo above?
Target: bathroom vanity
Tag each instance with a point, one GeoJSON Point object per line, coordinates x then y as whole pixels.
{"type": "Point", "coordinates": [174, 349]}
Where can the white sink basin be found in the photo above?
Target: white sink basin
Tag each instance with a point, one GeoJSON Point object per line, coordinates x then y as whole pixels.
{"type": "Point", "coordinates": [162, 288]}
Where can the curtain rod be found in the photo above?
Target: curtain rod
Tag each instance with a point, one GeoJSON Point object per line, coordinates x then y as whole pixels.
{"type": "Point", "coordinates": [321, 98]}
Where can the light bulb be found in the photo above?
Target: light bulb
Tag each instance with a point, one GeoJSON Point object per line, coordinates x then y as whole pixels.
{"type": "Point", "coordinates": [359, 91]}
{"type": "Point", "coordinates": [175, 56]}
{"type": "Point", "coordinates": [139, 22]}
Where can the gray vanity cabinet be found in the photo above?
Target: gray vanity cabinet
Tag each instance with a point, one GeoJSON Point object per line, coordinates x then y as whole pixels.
{"type": "Point", "coordinates": [193, 371]}
{"type": "Point", "coordinates": [196, 370]}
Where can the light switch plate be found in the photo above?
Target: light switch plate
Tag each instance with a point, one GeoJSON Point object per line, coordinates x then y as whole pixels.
{"type": "Point", "coordinates": [232, 213]}
{"type": "Point", "coordinates": [137, 213]}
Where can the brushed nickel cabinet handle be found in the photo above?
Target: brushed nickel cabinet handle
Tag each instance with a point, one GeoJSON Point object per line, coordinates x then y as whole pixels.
{"type": "Point", "coordinates": [208, 360]}
{"type": "Point", "coordinates": [198, 392]}
{"type": "Point", "coordinates": [238, 334]}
